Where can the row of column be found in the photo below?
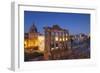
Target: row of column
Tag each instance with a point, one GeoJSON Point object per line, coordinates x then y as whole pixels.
{"type": "Point", "coordinates": [60, 38]}
{"type": "Point", "coordinates": [50, 38]}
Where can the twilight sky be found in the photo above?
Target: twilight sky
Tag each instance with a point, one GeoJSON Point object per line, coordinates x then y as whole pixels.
{"type": "Point", "coordinates": [74, 22]}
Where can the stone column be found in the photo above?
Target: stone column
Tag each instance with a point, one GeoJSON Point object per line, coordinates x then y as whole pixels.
{"type": "Point", "coordinates": [58, 39]}
{"type": "Point", "coordinates": [62, 37]}
{"type": "Point", "coordinates": [54, 36]}
{"type": "Point", "coordinates": [65, 40]}
{"type": "Point", "coordinates": [47, 44]}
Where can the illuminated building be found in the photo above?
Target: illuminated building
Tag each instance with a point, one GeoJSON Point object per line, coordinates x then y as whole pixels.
{"type": "Point", "coordinates": [31, 39]}
{"type": "Point", "coordinates": [41, 43]}
{"type": "Point", "coordinates": [56, 43]}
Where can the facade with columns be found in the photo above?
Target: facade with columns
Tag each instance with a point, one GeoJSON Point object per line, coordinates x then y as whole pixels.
{"type": "Point", "coordinates": [56, 42]}
{"type": "Point", "coordinates": [53, 44]}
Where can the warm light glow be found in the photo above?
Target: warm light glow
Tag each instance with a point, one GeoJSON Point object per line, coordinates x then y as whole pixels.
{"type": "Point", "coordinates": [39, 42]}
{"type": "Point", "coordinates": [66, 38]}
{"type": "Point", "coordinates": [25, 44]}
{"type": "Point", "coordinates": [30, 43]}
{"type": "Point", "coordinates": [56, 38]}
{"type": "Point", "coordinates": [60, 39]}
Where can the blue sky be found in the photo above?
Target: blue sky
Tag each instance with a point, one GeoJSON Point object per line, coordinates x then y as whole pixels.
{"type": "Point", "coordinates": [74, 22]}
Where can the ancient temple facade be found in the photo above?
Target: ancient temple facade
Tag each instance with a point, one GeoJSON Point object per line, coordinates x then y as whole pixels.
{"type": "Point", "coordinates": [53, 44]}
{"type": "Point", "coordinates": [56, 43]}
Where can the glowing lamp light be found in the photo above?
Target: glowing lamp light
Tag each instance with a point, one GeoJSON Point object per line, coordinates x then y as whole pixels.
{"type": "Point", "coordinates": [56, 38]}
